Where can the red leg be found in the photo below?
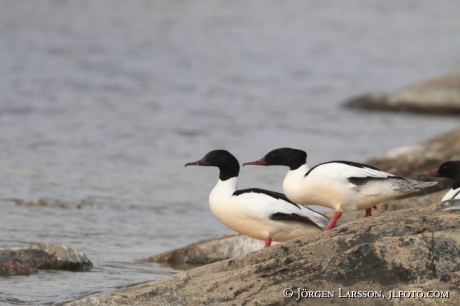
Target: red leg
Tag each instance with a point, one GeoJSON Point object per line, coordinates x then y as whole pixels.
{"type": "Point", "coordinates": [333, 220]}
{"type": "Point", "coordinates": [368, 212]}
{"type": "Point", "coordinates": [268, 241]}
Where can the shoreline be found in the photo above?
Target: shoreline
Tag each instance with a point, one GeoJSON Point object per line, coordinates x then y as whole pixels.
{"type": "Point", "coordinates": [255, 275]}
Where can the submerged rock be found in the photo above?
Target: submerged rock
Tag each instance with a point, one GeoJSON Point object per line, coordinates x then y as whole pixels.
{"type": "Point", "coordinates": [413, 249]}
{"type": "Point", "coordinates": [438, 96]}
{"type": "Point", "coordinates": [47, 256]}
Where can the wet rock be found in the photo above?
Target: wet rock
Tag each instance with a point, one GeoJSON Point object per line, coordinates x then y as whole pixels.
{"type": "Point", "coordinates": [412, 249]}
{"type": "Point", "coordinates": [438, 96]}
{"type": "Point", "coordinates": [49, 203]}
{"type": "Point", "coordinates": [209, 251]}
{"type": "Point", "coordinates": [14, 266]}
{"type": "Point", "coordinates": [49, 256]}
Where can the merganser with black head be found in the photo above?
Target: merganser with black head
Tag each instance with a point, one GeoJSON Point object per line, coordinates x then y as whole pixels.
{"type": "Point", "coordinates": [257, 213]}
{"type": "Point", "coordinates": [340, 185]}
{"type": "Point", "coordinates": [449, 169]}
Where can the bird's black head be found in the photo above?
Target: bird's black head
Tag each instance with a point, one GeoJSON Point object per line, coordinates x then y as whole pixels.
{"type": "Point", "coordinates": [449, 169]}
{"type": "Point", "coordinates": [292, 158]}
{"type": "Point", "coordinates": [222, 159]}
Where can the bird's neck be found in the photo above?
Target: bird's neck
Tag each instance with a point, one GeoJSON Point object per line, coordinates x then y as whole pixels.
{"type": "Point", "coordinates": [294, 178]}
{"type": "Point", "coordinates": [225, 188]}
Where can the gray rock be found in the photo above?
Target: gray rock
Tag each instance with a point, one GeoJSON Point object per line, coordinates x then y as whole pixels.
{"type": "Point", "coordinates": [438, 96]}
{"type": "Point", "coordinates": [14, 266]}
{"type": "Point", "coordinates": [413, 249]}
{"type": "Point", "coordinates": [209, 251]}
{"type": "Point", "coordinates": [49, 256]}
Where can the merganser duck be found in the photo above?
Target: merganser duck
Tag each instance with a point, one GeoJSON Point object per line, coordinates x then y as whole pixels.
{"type": "Point", "coordinates": [449, 169]}
{"type": "Point", "coordinates": [257, 213]}
{"type": "Point", "coordinates": [340, 185]}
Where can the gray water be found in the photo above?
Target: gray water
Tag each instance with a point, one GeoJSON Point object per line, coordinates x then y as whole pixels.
{"type": "Point", "coordinates": [103, 102]}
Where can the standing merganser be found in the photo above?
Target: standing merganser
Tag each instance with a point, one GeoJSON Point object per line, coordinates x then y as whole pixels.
{"type": "Point", "coordinates": [340, 185]}
{"type": "Point", "coordinates": [257, 213]}
{"type": "Point", "coordinates": [449, 169]}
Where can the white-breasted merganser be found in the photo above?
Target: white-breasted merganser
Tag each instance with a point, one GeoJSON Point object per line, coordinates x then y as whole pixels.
{"type": "Point", "coordinates": [340, 185]}
{"type": "Point", "coordinates": [257, 213]}
{"type": "Point", "coordinates": [449, 169]}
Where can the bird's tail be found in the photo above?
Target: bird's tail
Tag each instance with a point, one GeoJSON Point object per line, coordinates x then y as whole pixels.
{"type": "Point", "coordinates": [417, 185]}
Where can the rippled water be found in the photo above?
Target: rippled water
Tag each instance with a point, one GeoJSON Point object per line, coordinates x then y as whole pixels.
{"type": "Point", "coordinates": [103, 102]}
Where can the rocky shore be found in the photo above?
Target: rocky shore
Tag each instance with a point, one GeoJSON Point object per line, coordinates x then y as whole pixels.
{"type": "Point", "coordinates": [409, 244]}
{"type": "Point", "coordinates": [26, 260]}
{"type": "Point", "coordinates": [406, 161]}
{"type": "Point", "coordinates": [411, 249]}
{"type": "Point", "coordinates": [440, 96]}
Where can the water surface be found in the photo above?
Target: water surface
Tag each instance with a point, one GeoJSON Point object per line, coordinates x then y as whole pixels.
{"type": "Point", "coordinates": [103, 102]}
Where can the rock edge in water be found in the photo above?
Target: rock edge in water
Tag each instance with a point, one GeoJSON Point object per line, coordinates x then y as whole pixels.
{"type": "Point", "coordinates": [439, 96]}
{"type": "Point", "coordinates": [208, 251]}
{"type": "Point", "coordinates": [411, 249]}
{"type": "Point", "coordinates": [26, 260]}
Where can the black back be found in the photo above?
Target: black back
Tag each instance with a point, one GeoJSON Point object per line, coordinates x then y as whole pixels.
{"type": "Point", "coordinates": [273, 194]}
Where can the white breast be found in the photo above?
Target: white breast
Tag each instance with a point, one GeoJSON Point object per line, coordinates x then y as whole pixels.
{"type": "Point", "coordinates": [452, 194]}
{"type": "Point", "coordinates": [249, 213]}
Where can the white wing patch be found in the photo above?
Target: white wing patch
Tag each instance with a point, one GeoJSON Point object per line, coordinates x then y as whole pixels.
{"type": "Point", "coordinates": [262, 205]}
{"type": "Point", "coordinates": [345, 171]}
